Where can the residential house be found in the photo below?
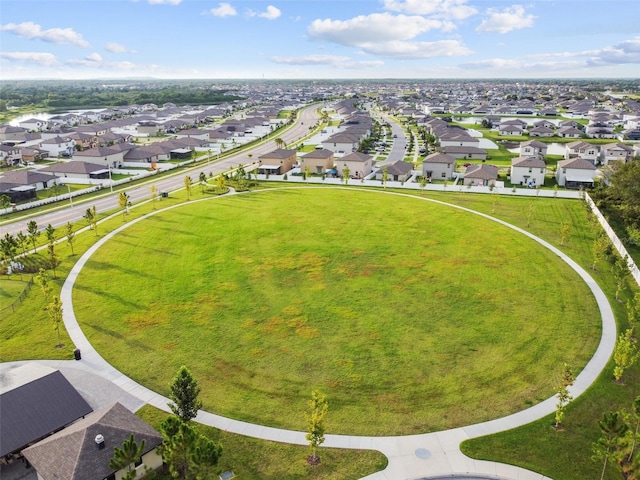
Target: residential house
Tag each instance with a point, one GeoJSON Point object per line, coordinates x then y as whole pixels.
{"type": "Point", "coordinates": [9, 132]}
{"type": "Point", "coordinates": [27, 180]}
{"type": "Point", "coordinates": [575, 173]}
{"type": "Point", "coordinates": [584, 150]}
{"type": "Point", "coordinates": [481, 174]}
{"type": "Point", "coordinates": [317, 161]}
{"type": "Point", "coordinates": [464, 153]}
{"type": "Point", "coordinates": [533, 148]}
{"type": "Point", "coordinates": [83, 450]}
{"type": "Point", "coordinates": [615, 152]}
{"type": "Point", "coordinates": [58, 146]}
{"type": "Point", "coordinates": [569, 132]}
{"type": "Point", "coordinates": [359, 164]}
{"type": "Point", "coordinates": [510, 130]}
{"type": "Point", "coordinates": [34, 124]}
{"type": "Point", "coordinates": [277, 162]}
{"type": "Point", "coordinates": [541, 132]}
{"type": "Point", "coordinates": [439, 166]}
{"type": "Point", "coordinates": [35, 400]}
{"type": "Point", "coordinates": [398, 171]}
{"type": "Point", "coordinates": [76, 170]}
{"type": "Point", "coordinates": [107, 157]}
{"type": "Point", "coordinates": [529, 171]}
{"type": "Point", "coordinates": [457, 139]}
{"type": "Point", "coordinates": [342, 143]}
{"type": "Point", "coordinates": [630, 134]}
{"type": "Point", "coordinates": [9, 155]}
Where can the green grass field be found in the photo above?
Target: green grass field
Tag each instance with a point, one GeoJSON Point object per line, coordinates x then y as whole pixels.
{"type": "Point", "coordinates": [397, 308]}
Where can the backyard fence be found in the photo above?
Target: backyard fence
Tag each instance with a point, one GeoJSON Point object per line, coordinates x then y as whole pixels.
{"type": "Point", "coordinates": [615, 241]}
{"type": "Point", "coordinates": [18, 300]}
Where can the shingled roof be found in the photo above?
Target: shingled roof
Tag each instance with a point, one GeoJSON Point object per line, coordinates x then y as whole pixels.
{"type": "Point", "coordinates": [73, 454]}
{"type": "Point", "coordinates": [34, 401]}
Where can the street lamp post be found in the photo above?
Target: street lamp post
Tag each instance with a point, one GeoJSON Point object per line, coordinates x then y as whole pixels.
{"type": "Point", "coordinates": [110, 179]}
{"type": "Point", "coordinates": [70, 198]}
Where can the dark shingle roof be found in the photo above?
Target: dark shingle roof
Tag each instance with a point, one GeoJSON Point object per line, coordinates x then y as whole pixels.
{"type": "Point", "coordinates": [37, 408]}
{"type": "Point", "coordinates": [72, 453]}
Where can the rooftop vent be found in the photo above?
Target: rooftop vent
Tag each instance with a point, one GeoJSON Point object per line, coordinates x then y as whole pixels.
{"type": "Point", "coordinates": [100, 441]}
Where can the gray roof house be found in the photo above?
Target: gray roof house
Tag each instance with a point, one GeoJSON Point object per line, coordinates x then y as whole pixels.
{"type": "Point", "coordinates": [82, 450]}
{"type": "Point", "coordinates": [35, 401]}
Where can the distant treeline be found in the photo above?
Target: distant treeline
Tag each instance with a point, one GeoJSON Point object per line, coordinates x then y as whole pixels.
{"type": "Point", "coordinates": [91, 94]}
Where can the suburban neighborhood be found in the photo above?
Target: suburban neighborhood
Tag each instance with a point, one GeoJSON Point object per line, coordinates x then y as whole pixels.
{"type": "Point", "coordinates": [476, 144]}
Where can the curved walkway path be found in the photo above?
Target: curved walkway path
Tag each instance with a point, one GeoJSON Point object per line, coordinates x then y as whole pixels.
{"type": "Point", "coordinates": [429, 455]}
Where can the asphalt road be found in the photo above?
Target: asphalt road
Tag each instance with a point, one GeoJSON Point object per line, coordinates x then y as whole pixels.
{"type": "Point", "coordinates": [61, 214]}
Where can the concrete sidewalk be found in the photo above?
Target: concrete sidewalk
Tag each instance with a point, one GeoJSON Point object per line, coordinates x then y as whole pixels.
{"type": "Point", "coordinates": [410, 457]}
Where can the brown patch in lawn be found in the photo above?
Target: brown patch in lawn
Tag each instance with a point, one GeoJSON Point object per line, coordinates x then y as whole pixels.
{"type": "Point", "coordinates": [149, 318]}
{"type": "Point", "coordinates": [307, 331]}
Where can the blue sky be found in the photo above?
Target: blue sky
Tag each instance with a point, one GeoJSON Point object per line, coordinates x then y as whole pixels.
{"type": "Point", "coordinates": [307, 39]}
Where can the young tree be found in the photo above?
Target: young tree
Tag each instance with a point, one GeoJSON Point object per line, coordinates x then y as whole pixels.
{"type": "Point", "coordinates": [345, 174]}
{"type": "Point", "coordinates": [625, 354]}
{"type": "Point", "coordinates": [71, 236]}
{"type": "Point", "coordinates": [565, 230]}
{"type": "Point", "coordinates": [42, 279]}
{"type": "Point", "coordinates": [636, 430]}
{"type": "Point", "coordinates": [50, 233]}
{"type": "Point", "coordinates": [88, 216]}
{"type": "Point", "coordinates": [154, 195]}
{"type": "Point", "coordinates": [123, 201]}
{"type": "Point", "coordinates": [33, 233]}
{"type": "Point", "coordinates": [187, 185]}
{"type": "Point", "coordinates": [601, 248]}
{"type": "Point", "coordinates": [5, 203]}
{"type": "Point", "coordinates": [187, 453]}
{"type": "Point", "coordinates": [184, 394]}
{"type": "Point", "coordinates": [8, 246]}
{"type": "Point", "coordinates": [220, 183]}
{"type": "Point", "coordinates": [620, 272]}
{"type": "Point", "coordinates": [127, 456]}
{"type": "Point", "coordinates": [54, 310]}
{"type": "Point", "coordinates": [385, 176]}
{"type": "Point", "coordinates": [22, 240]}
{"type": "Point", "coordinates": [612, 428]}
{"type": "Point", "coordinates": [94, 219]}
{"type": "Point", "coordinates": [205, 456]}
{"type": "Point", "coordinates": [563, 394]}
{"type": "Point", "coordinates": [318, 408]}
{"type": "Point", "coordinates": [202, 179]}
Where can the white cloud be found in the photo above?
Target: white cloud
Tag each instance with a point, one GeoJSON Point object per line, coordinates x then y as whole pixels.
{"type": "Point", "coordinates": [456, 9]}
{"type": "Point", "coordinates": [165, 2]}
{"type": "Point", "coordinates": [336, 61]}
{"type": "Point", "coordinates": [511, 18]}
{"type": "Point", "coordinates": [114, 47]}
{"type": "Point", "coordinates": [223, 10]}
{"type": "Point", "coordinates": [622, 53]}
{"type": "Point", "coordinates": [310, 60]}
{"type": "Point", "coordinates": [94, 57]}
{"type": "Point", "coordinates": [374, 28]}
{"type": "Point", "coordinates": [271, 13]}
{"type": "Point", "coordinates": [39, 58]}
{"type": "Point", "coordinates": [32, 30]}
{"type": "Point", "coordinates": [400, 49]}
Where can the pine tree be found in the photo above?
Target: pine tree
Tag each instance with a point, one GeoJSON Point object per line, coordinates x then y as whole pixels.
{"type": "Point", "coordinates": [184, 394]}
{"type": "Point", "coordinates": [127, 456]}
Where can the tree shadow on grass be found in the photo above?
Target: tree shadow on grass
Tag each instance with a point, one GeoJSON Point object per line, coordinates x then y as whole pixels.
{"type": "Point", "coordinates": [113, 334]}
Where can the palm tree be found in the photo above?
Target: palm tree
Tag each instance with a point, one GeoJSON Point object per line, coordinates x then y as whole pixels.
{"type": "Point", "coordinates": [279, 143]}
